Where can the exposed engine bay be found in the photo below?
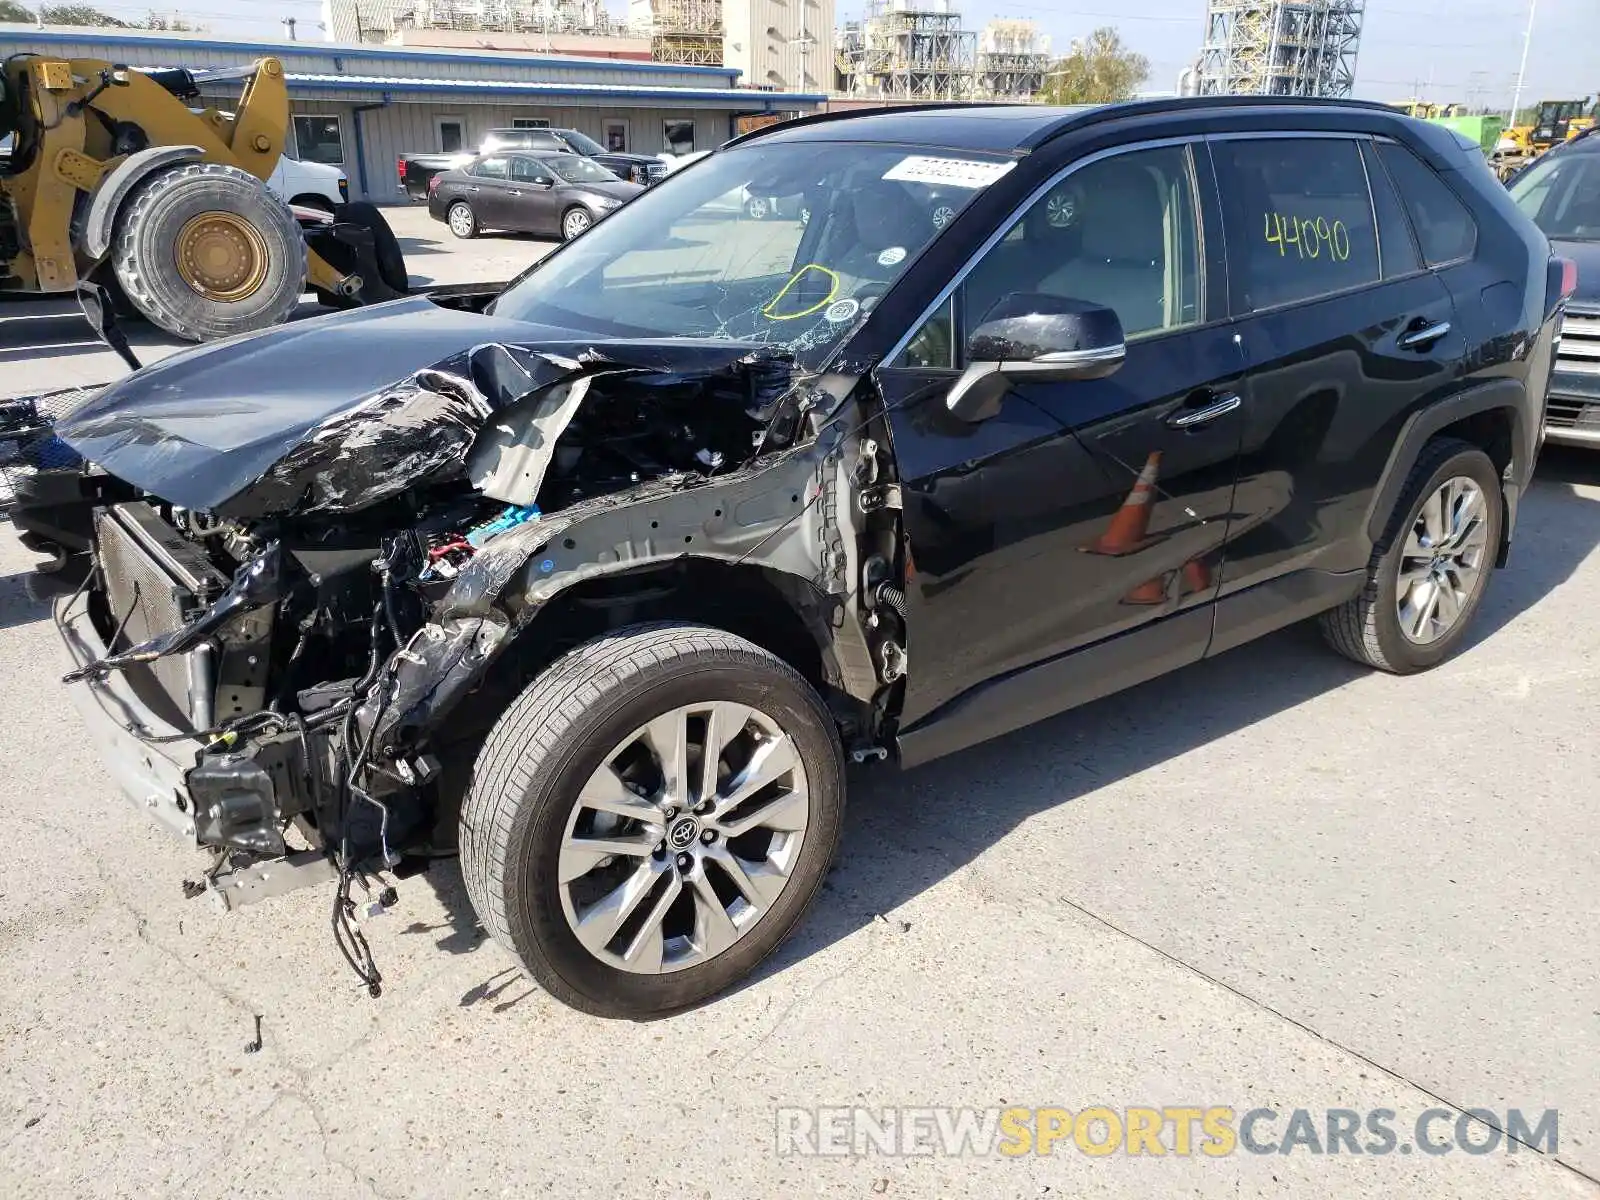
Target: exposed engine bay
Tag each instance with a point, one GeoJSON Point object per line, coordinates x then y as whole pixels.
{"type": "Point", "coordinates": [316, 617]}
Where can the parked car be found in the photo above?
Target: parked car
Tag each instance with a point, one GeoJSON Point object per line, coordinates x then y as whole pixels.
{"type": "Point", "coordinates": [559, 195]}
{"type": "Point", "coordinates": [631, 558]}
{"type": "Point", "coordinates": [1560, 191]}
{"type": "Point", "coordinates": [310, 184]}
{"type": "Point", "coordinates": [417, 169]}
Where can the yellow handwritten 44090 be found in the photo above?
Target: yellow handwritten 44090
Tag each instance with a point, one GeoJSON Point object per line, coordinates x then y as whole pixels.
{"type": "Point", "coordinates": [1310, 236]}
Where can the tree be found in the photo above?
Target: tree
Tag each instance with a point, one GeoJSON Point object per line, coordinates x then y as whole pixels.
{"type": "Point", "coordinates": [1099, 69]}
{"type": "Point", "coordinates": [13, 12]}
{"type": "Point", "coordinates": [79, 14]}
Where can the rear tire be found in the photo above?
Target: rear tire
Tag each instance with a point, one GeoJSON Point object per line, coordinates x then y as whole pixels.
{"type": "Point", "coordinates": [1381, 627]}
{"type": "Point", "coordinates": [583, 716]}
{"type": "Point", "coordinates": [161, 235]}
{"type": "Point", "coordinates": [462, 220]}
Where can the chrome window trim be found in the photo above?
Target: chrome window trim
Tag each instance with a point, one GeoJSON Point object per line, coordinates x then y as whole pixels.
{"type": "Point", "coordinates": [1022, 209]}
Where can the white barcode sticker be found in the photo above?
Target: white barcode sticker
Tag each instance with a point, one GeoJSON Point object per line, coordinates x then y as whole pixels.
{"type": "Point", "coordinates": [951, 172]}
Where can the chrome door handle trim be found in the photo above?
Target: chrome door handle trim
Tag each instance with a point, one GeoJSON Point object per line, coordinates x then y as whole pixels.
{"type": "Point", "coordinates": [1426, 336]}
{"type": "Point", "coordinates": [1217, 408]}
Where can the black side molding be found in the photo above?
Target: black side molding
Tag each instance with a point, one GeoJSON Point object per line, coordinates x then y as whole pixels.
{"type": "Point", "coordinates": [1045, 689]}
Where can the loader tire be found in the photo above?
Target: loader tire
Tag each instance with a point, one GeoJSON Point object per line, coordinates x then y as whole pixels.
{"type": "Point", "coordinates": [205, 251]}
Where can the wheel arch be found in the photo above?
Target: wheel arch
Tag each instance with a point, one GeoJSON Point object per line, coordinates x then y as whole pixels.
{"type": "Point", "coordinates": [1494, 416]}
{"type": "Point", "coordinates": [107, 200]}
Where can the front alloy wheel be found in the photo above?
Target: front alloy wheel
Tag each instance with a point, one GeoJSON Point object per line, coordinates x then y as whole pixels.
{"type": "Point", "coordinates": [651, 817]}
{"type": "Point", "coordinates": [576, 222]}
{"type": "Point", "coordinates": [684, 837]}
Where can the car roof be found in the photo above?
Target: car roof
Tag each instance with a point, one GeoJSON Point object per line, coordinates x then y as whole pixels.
{"type": "Point", "coordinates": [1020, 128]}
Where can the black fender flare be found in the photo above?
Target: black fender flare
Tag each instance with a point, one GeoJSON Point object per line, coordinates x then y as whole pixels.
{"type": "Point", "coordinates": [107, 198]}
{"type": "Point", "coordinates": [1508, 395]}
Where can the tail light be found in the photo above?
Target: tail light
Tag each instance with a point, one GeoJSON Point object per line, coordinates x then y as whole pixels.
{"type": "Point", "coordinates": [400, 168]}
{"type": "Point", "coordinates": [1569, 277]}
{"type": "Point", "coordinates": [433, 185]}
{"type": "Point", "coordinates": [344, 189]}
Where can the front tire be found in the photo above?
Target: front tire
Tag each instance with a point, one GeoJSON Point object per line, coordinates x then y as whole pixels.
{"type": "Point", "coordinates": [1428, 574]}
{"type": "Point", "coordinates": [628, 878]}
{"type": "Point", "coordinates": [575, 222]}
{"type": "Point", "coordinates": [205, 251]}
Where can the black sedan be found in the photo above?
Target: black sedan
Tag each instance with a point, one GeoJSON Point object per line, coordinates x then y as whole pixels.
{"type": "Point", "coordinates": [554, 194]}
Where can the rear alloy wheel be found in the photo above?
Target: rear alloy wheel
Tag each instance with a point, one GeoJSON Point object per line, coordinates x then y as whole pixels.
{"type": "Point", "coordinates": [651, 817]}
{"type": "Point", "coordinates": [462, 220]}
{"type": "Point", "coordinates": [1428, 575]}
{"type": "Point", "coordinates": [575, 223]}
{"type": "Point", "coordinates": [757, 208]}
{"type": "Point", "coordinates": [206, 251]}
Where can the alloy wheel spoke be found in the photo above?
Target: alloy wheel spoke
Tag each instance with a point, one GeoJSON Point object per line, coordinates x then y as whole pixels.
{"type": "Point", "coordinates": [758, 883]}
{"type": "Point", "coordinates": [724, 722]}
{"type": "Point", "coordinates": [580, 855]}
{"type": "Point", "coordinates": [786, 813]}
{"type": "Point", "coordinates": [1448, 607]}
{"type": "Point", "coordinates": [1424, 599]}
{"type": "Point", "coordinates": [600, 923]}
{"type": "Point", "coordinates": [647, 947]}
{"type": "Point", "coordinates": [714, 930]}
{"type": "Point", "coordinates": [605, 792]}
{"type": "Point", "coordinates": [668, 736]}
{"type": "Point", "coordinates": [773, 759]}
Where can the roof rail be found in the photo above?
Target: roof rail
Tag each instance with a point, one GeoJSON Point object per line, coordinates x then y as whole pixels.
{"type": "Point", "coordinates": [850, 113]}
{"type": "Point", "coordinates": [1138, 108]}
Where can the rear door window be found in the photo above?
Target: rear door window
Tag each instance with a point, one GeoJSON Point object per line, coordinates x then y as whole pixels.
{"type": "Point", "coordinates": [1445, 229]}
{"type": "Point", "coordinates": [490, 168]}
{"type": "Point", "coordinates": [1298, 218]}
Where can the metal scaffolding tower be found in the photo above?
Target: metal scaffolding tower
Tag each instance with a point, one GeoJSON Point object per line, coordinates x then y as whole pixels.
{"type": "Point", "coordinates": [1280, 47]}
{"type": "Point", "coordinates": [375, 20]}
{"type": "Point", "coordinates": [908, 50]}
{"type": "Point", "coordinates": [1013, 59]}
{"type": "Point", "coordinates": [681, 31]}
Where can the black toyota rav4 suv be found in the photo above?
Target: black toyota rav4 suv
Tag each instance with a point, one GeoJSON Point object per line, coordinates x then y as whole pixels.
{"type": "Point", "coordinates": [614, 571]}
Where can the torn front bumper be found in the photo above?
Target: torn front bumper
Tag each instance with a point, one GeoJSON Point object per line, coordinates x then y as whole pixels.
{"type": "Point", "coordinates": [153, 776]}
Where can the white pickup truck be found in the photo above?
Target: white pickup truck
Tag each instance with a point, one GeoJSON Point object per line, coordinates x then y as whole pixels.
{"type": "Point", "coordinates": [309, 184]}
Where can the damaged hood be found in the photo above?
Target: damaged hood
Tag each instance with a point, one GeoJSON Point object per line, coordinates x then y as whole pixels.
{"type": "Point", "coordinates": [339, 413]}
{"type": "Point", "coordinates": [199, 427]}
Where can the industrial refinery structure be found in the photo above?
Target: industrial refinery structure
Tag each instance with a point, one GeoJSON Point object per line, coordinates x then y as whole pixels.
{"type": "Point", "coordinates": [922, 50]}
{"type": "Point", "coordinates": [1279, 48]}
{"type": "Point", "coordinates": [901, 50]}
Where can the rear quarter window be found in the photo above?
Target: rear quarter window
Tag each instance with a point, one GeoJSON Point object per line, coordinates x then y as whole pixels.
{"type": "Point", "coordinates": [1298, 218]}
{"type": "Point", "coordinates": [1445, 229]}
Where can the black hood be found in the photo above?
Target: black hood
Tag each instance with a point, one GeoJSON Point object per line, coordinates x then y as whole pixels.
{"type": "Point", "coordinates": [615, 189]}
{"type": "Point", "coordinates": [1587, 256]}
{"type": "Point", "coordinates": [199, 426]}
{"type": "Point", "coordinates": [340, 412]}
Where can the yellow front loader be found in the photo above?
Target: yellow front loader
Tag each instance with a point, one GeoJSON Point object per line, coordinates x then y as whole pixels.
{"type": "Point", "coordinates": [113, 178]}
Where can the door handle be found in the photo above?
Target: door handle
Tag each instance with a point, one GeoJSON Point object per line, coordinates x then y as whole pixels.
{"type": "Point", "coordinates": [473, 188]}
{"type": "Point", "coordinates": [1421, 339]}
{"type": "Point", "coordinates": [1189, 418]}
{"type": "Point", "coordinates": [513, 192]}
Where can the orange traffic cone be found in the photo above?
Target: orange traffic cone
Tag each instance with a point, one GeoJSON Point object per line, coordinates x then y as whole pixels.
{"type": "Point", "coordinates": [1151, 591]}
{"type": "Point", "coordinates": [1196, 577]}
{"type": "Point", "coordinates": [1131, 522]}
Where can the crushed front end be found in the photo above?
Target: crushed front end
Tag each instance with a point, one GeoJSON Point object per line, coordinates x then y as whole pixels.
{"type": "Point", "coordinates": [290, 643]}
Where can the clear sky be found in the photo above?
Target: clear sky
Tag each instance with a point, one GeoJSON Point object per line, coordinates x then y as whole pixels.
{"type": "Point", "coordinates": [1468, 48]}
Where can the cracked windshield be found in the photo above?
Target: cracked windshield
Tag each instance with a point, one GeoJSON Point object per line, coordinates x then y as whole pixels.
{"type": "Point", "coordinates": [786, 246]}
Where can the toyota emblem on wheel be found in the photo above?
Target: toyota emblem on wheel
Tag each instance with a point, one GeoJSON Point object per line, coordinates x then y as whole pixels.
{"type": "Point", "coordinates": [681, 836]}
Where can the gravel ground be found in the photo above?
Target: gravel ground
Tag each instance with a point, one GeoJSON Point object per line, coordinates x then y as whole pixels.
{"type": "Point", "coordinates": [1271, 880]}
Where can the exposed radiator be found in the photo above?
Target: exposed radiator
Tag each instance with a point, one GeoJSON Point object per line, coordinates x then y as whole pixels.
{"type": "Point", "coordinates": [154, 581]}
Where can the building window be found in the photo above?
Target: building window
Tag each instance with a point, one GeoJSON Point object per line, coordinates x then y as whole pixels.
{"type": "Point", "coordinates": [452, 134]}
{"type": "Point", "coordinates": [616, 135]}
{"type": "Point", "coordinates": [317, 139]}
{"type": "Point", "coordinates": [530, 122]}
{"type": "Point", "coordinates": [678, 136]}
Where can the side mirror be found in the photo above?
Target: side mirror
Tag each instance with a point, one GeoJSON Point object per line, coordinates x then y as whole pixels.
{"type": "Point", "coordinates": [1028, 337]}
{"type": "Point", "coordinates": [100, 312]}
